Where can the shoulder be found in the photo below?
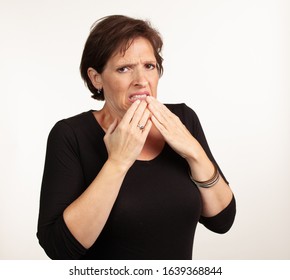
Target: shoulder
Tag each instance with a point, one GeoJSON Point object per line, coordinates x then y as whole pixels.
{"type": "Point", "coordinates": [68, 128]}
{"type": "Point", "coordinates": [184, 112]}
{"type": "Point", "coordinates": [77, 121]}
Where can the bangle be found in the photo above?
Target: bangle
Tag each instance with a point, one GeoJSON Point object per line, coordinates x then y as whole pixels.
{"type": "Point", "coordinates": [209, 183]}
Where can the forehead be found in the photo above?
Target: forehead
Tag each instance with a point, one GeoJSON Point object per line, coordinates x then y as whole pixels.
{"type": "Point", "coordinates": [139, 48]}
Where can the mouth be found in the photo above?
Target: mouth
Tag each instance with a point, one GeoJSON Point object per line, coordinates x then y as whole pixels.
{"type": "Point", "coordinates": [138, 96]}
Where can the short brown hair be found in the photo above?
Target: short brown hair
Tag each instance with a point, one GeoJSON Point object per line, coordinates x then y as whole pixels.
{"type": "Point", "coordinates": [110, 34]}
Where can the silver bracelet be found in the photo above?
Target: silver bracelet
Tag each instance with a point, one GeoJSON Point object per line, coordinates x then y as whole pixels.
{"type": "Point", "coordinates": [209, 183]}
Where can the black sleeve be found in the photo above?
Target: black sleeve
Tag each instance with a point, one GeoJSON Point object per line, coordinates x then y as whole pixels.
{"type": "Point", "coordinates": [223, 221]}
{"type": "Point", "coordinates": [62, 183]}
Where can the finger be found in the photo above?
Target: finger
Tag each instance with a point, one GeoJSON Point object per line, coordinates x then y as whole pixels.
{"type": "Point", "coordinates": [143, 121]}
{"type": "Point", "coordinates": [139, 112]}
{"type": "Point", "coordinates": [158, 125]}
{"type": "Point", "coordinates": [154, 103]}
{"type": "Point", "coordinates": [146, 129]}
{"type": "Point", "coordinates": [112, 127]}
{"type": "Point", "coordinates": [130, 112]}
{"type": "Point", "coordinates": [160, 111]}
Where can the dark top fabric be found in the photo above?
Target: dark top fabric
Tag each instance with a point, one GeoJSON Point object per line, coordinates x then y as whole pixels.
{"type": "Point", "coordinates": [157, 209]}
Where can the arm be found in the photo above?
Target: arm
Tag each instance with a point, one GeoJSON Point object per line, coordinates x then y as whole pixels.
{"type": "Point", "coordinates": [216, 198]}
{"type": "Point", "coordinates": [85, 213]}
{"type": "Point", "coordinates": [62, 182]}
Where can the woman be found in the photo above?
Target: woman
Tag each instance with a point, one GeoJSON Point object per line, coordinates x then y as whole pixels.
{"type": "Point", "coordinates": [132, 180]}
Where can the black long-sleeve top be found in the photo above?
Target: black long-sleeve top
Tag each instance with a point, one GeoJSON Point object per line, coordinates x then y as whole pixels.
{"type": "Point", "coordinates": [157, 209]}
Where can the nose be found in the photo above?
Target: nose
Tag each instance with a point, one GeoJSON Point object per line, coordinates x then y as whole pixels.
{"type": "Point", "coordinates": [141, 84]}
{"type": "Point", "coordinates": [140, 79]}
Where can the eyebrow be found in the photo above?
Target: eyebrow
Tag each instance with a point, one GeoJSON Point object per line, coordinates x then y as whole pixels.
{"type": "Point", "coordinates": [129, 64]}
{"type": "Point", "coordinates": [120, 65]}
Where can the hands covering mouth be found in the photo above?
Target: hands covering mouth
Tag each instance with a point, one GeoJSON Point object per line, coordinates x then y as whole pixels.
{"type": "Point", "coordinates": [125, 139]}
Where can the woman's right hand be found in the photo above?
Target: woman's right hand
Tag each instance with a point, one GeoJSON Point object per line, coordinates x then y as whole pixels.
{"type": "Point", "coordinates": [125, 140]}
{"type": "Point", "coordinates": [86, 216]}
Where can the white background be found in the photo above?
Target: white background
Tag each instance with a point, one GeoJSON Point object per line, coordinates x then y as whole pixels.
{"type": "Point", "coordinates": [228, 60]}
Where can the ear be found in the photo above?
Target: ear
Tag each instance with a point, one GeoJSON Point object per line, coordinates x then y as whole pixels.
{"type": "Point", "coordinates": [95, 78]}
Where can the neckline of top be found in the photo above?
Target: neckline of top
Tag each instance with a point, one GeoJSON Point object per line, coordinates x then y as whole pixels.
{"type": "Point", "coordinates": [138, 161]}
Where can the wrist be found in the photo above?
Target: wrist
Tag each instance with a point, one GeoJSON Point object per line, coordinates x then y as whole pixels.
{"type": "Point", "coordinates": [117, 166]}
{"type": "Point", "coordinates": [207, 183]}
{"type": "Point", "coordinates": [195, 153]}
{"type": "Point", "coordinates": [201, 167]}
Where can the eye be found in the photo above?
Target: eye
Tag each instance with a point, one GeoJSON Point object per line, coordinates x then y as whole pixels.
{"type": "Point", "coordinates": [123, 69]}
{"type": "Point", "coordinates": [150, 66]}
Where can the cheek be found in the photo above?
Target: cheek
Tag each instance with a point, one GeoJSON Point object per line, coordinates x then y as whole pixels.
{"type": "Point", "coordinates": [120, 85]}
{"type": "Point", "coordinates": [154, 86]}
{"type": "Point", "coordinates": [113, 89]}
{"type": "Point", "coordinates": [117, 93]}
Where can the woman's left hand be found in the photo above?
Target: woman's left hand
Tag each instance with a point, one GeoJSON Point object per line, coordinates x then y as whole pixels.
{"type": "Point", "coordinates": [214, 199]}
{"type": "Point", "coordinates": [173, 130]}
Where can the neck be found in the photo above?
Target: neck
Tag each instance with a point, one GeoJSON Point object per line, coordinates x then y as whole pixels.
{"type": "Point", "coordinates": [106, 116]}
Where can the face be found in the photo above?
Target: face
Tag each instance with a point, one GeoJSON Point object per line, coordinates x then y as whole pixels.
{"type": "Point", "coordinates": [130, 76]}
